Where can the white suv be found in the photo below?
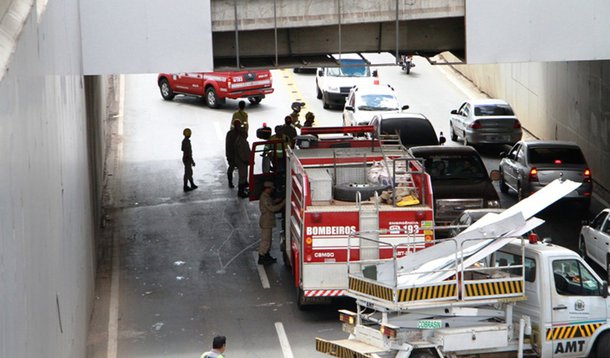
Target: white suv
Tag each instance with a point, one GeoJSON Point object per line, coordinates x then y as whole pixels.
{"type": "Point", "coordinates": [364, 102]}
{"type": "Point", "coordinates": [334, 83]}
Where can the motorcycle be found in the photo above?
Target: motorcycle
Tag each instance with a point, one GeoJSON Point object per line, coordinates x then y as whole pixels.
{"type": "Point", "coordinates": [406, 63]}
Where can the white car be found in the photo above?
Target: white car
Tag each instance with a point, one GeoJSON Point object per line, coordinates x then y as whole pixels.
{"type": "Point", "coordinates": [365, 102]}
{"type": "Point", "coordinates": [334, 83]}
{"type": "Point", "coordinates": [595, 240]}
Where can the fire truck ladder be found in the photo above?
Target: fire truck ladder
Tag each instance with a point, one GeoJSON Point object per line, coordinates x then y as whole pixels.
{"type": "Point", "coordinates": [396, 157]}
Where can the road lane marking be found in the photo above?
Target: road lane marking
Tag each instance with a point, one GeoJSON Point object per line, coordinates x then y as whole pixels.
{"type": "Point", "coordinates": [261, 271]}
{"type": "Point", "coordinates": [281, 333]}
{"type": "Point", "coordinates": [113, 311]}
{"type": "Point", "coordinates": [293, 90]}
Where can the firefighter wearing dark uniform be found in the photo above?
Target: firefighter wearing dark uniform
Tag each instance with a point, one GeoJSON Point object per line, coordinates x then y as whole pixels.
{"type": "Point", "coordinates": [230, 150]}
{"type": "Point", "coordinates": [242, 159]}
{"type": "Point", "coordinates": [289, 131]}
{"type": "Point", "coordinates": [187, 160]}
{"type": "Point", "coordinates": [267, 222]}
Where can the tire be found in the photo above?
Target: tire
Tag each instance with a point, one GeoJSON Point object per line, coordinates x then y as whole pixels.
{"type": "Point", "coordinates": [503, 186]}
{"type": "Point", "coordinates": [582, 248]}
{"type": "Point", "coordinates": [408, 68]}
{"type": "Point", "coordinates": [347, 191]}
{"type": "Point", "coordinates": [602, 348]}
{"type": "Point", "coordinates": [454, 136]}
{"type": "Point", "coordinates": [211, 98]}
{"type": "Point", "coordinates": [325, 105]}
{"type": "Point", "coordinates": [520, 192]}
{"type": "Point", "coordinates": [318, 91]}
{"type": "Point", "coordinates": [255, 100]}
{"type": "Point", "coordinates": [166, 90]}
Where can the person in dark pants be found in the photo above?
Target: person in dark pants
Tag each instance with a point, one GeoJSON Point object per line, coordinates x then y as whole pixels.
{"type": "Point", "coordinates": [187, 160]}
{"type": "Point", "coordinates": [242, 159]}
{"type": "Point", "coordinates": [230, 149]}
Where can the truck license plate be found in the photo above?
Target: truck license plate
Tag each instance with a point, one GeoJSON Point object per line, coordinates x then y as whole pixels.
{"type": "Point", "coordinates": [429, 324]}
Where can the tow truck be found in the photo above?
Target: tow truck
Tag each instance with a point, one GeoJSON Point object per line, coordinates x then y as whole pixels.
{"type": "Point", "coordinates": [337, 181]}
{"type": "Point", "coordinates": [485, 292]}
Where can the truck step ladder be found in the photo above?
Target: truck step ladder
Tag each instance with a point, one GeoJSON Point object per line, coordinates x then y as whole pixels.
{"type": "Point", "coordinates": [395, 157]}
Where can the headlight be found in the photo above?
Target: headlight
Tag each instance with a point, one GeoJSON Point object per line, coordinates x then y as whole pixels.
{"type": "Point", "coordinates": [493, 204]}
{"type": "Point", "coordinates": [333, 89]}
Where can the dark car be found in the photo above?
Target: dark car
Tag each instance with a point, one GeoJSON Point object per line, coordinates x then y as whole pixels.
{"type": "Point", "coordinates": [530, 165]}
{"type": "Point", "coordinates": [414, 129]}
{"type": "Point", "coordinates": [459, 181]}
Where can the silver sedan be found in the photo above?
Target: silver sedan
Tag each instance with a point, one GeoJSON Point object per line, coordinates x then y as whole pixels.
{"type": "Point", "coordinates": [485, 121]}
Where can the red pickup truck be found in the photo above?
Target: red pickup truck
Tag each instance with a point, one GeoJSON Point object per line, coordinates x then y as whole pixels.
{"type": "Point", "coordinates": [215, 87]}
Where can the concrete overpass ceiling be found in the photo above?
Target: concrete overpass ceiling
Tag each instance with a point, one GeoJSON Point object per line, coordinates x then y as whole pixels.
{"type": "Point", "coordinates": [310, 46]}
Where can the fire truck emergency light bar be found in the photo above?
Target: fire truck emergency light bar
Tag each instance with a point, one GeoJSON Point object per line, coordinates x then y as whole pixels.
{"type": "Point", "coordinates": [337, 130]}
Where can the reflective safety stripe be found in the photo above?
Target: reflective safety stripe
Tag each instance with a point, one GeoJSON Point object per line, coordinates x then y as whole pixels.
{"type": "Point", "coordinates": [493, 288]}
{"type": "Point", "coordinates": [371, 289]}
{"type": "Point", "coordinates": [574, 331]}
{"type": "Point", "coordinates": [427, 293]}
{"type": "Point", "coordinates": [336, 350]}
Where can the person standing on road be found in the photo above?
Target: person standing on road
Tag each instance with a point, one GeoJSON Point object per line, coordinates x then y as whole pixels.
{"type": "Point", "coordinates": [267, 222]}
{"type": "Point", "coordinates": [242, 159]}
{"type": "Point", "coordinates": [241, 115]}
{"type": "Point", "coordinates": [187, 160]}
{"type": "Point", "coordinates": [219, 344]}
{"type": "Point", "coordinates": [230, 149]}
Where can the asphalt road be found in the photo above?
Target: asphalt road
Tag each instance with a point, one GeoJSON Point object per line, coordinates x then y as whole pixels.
{"type": "Point", "coordinates": [184, 267]}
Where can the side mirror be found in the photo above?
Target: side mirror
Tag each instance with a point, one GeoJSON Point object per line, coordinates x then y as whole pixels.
{"type": "Point", "coordinates": [320, 72]}
{"type": "Point", "coordinates": [454, 111]}
{"type": "Point", "coordinates": [406, 106]}
{"type": "Point", "coordinates": [442, 139]}
{"type": "Point", "coordinates": [349, 108]}
{"type": "Point", "coordinates": [604, 289]}
{"type": "Point", "coordinates": [495, 175]}
{"type": "Point", "coordinates": [375, 73]}
{"type": "Point", "coordinates": [502, 154]}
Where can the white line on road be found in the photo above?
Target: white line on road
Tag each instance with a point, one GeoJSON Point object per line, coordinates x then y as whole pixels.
{"type": "Point", "coordinates": [261, 271]}
{"type": "Point", "coordinates": [113, 311]}
{"type": "Point", "coordinates": [281, 333]}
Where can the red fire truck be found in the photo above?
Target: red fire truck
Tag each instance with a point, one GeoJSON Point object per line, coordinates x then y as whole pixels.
{"type": "Point", "coordinates": [338, 182]}
{"type": "Point", "coordinates": [216, 87]}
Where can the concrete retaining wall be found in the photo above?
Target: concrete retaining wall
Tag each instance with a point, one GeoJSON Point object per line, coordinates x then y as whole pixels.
{"type": "Point", "coordinates": [49, 188]}
{"type": "Point", "coordinates": [557, 100]}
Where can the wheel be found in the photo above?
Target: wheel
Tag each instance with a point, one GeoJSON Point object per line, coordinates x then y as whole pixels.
{"type": "Point", "coordinates": [325, 104]}
{"type": "Point", "coordinates": [520, 192]}
{"type": "Point", "coordinates": [347, 191]}
{"type": "Point", "coordinates": [255, 100]}
{"type": "Point", "coordinates": [603, 346]}
{"type": "Point", "coordinates": [408, 68]}
{"type": "Point", "coordinates": [166, 90]}
{"type": "Point", "coordinates": [503, 186]}
{"type": "Point", "coordinates": [211, 98]}
{"type": "Point", "coordinates": [582, 247]}
{"type": "Point", "coordinates": [454, 136]}
{"type": "Point", "coordinates": [318, 91]}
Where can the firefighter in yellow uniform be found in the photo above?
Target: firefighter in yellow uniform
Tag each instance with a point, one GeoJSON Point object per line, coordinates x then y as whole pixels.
{"type": "Point", "coordinates": [241, 115]}
{"type": "Point", "coordinates": [267, 222]}
{"type": "Point", "coordinates": [219, 345]}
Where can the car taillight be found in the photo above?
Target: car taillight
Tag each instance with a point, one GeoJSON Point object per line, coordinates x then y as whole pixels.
{"type": "Point", "coordinates": [389, 331]}
{"type": "Point", "coordinates": [517, 124]}
{"type": "Point", "coordinates": [587, 176]}
{"type": "Point", "coordinates": [475, 125]}
{"type": "Point", "coordinates": [533, 174]}
{"type": "Point", "coordinates": [348, 317]}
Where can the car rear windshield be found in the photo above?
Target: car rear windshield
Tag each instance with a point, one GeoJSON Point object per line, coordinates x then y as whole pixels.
{"type": "Point", "coordinates": [378, 102]}
{"type": "Point", "coordinates": [493, 110]}
{"type": "Point", "coordinates": [447, 167]}
{"type": "Point", "coordinates": [350, 68]}
{"type": "Point", "coordinates": [412, 132]}
{"type": "Point", "coordinates": [556, 155]}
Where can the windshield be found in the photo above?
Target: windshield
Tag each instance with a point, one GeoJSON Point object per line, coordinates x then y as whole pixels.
{"type": "Point", "coordinates": [493, 110]}
{"type": "Point", "coordinates": [556, 155]}
{"type": "Point", "coordinates": [447, 167]}
{"type": "Point", "coordinates": [350, 68]}
{"type": "Point", "coordinates": [378, 102]}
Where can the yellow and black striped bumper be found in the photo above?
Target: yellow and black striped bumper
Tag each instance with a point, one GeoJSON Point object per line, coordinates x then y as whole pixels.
{"type": "Point", "coordinates": [347, 348]}
{"type": "Point", "coordinates": [371, 289]}
{"type": "Point", "coordinates": [573, 331]}
{"type": "Point", "coordinates": [427, 293]}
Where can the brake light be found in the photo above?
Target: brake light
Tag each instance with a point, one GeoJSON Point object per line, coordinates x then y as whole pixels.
{"type": "Point", "coordinates": [557, 161]}
{"type": "Point", "coordinates": [475, 125]}
{"type": "Point", "coordinates": [517, 124]}
{"type": "Point", "coordinates": [587, 175]}
{"type": "Point", "coordinates": [533, 174]}
{"type": "Point", "coordinates": [348, 317]}
{"type": "Point", "coordinates": [376, 81]}
{"type": "Point", "coordinates": [389, 331]}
